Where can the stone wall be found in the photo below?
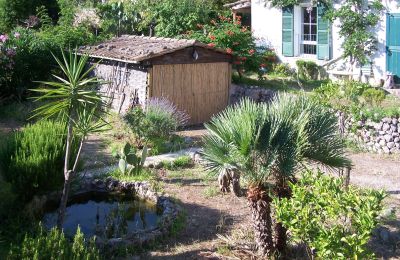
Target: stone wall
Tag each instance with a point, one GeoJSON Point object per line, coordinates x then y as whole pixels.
{"type": "Point", "coordinates": [126, 85]}
{"type": "Point", "coordinates": [380, 137]}
{"type": "Point", "coordinates": [238, 92]}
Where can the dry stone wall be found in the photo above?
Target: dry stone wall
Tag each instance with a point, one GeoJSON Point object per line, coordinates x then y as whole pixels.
{"type": "Point", "coordinates": [381, 137]}
{"type": "Point", "coordinates": [125, 85]}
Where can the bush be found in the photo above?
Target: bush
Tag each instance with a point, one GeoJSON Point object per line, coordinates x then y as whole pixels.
{"type": "Point", "coordinates": [307, 70]}
{"type": "Point", "coordinates": [333, 222]}
{"type": "Point", "coordinates": [283, 69]}
{"type": "Point", "coordinates": [32, 159]}
{"type": "Point", "coordinates": [373, 96]}
{"type": "Point", "coordinates": [54, 245]}
{"type": "Point", "coordinates": [179, 163]}
{"type": "Point", "coordinates": [159, 120]}
{"type": "Point", "coordinates": [229, 35]}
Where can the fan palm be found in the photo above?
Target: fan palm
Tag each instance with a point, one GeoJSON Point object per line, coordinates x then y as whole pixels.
{"type": "Point", "coordinates": [268, 144]}
{"type": "Point", "coordinates": [74, 97]}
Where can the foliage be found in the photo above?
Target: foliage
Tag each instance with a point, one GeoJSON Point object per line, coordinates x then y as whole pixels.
{"type": "Point", "coordinates": [307, 70]}
{"type": "Point", "coordinates": [334, 222]}
{"type": "Point", "coordinates": [229, 35]}
{"type": "Point", "coordinates": [8, 198]}
{"type": "Point", "coordinates": [377, 113]}
{"type": "Point", "coordinates": [179, 163]}
{"type": "Point", "coordinates": [358, 99]}
{"type": "Point", "coordinates": [130, 163]}
{"type": "Point", "coordinates": [283, 70]}
{"type": "Point", "coordinates": [144, 175]}
{"type": "Point", "coordinates": [170, 18]}
{"type": "Point", "coordinates": [32, 159]}
{"type": "Point", "coordinates": [358, 19]}
{"type": "Point", "coordinates": [74, 97]}
{"type": "Point", "coordinates": [159, 120]}
{"type": "Point", "coordinates": [118, 18]}
{"type": "Point", "coordinates": [54, 245]}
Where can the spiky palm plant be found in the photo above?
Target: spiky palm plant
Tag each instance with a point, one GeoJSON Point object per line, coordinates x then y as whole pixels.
{"type": "Point", "coordinates": [268, 144]}
{"type": "Point", "coordinates": [74, 97]}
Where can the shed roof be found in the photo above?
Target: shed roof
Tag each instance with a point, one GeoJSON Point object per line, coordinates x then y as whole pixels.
{"type": "Point", "coordinates": [134, 49]}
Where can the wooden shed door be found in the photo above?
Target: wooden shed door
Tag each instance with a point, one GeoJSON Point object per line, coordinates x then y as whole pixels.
{"type": "Point", "coordinates": [199, 89]}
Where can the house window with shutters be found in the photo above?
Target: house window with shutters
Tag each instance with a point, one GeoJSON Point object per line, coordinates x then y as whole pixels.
{"type": "Point", "coordinates": [308, 43]}
{"type": "Point", "coordinates": [305, 32]}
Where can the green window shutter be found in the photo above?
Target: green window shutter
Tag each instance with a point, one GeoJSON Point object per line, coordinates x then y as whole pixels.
{"type": "Point", "coordinates": [287, 31]}
{"type": "Point", "coordinates": [323, 35]}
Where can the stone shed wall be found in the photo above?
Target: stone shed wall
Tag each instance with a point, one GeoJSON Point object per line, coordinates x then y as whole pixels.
{"type": "Point", "coordinates": [126, 84]}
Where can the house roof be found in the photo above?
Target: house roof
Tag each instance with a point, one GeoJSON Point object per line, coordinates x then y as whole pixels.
{"type": "Point", "coordinates": [241, 4]}
{"type": "Point", "coordinates": [134, 49]}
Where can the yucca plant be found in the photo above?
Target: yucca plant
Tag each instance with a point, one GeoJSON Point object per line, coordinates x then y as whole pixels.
{"type": "Point", "coordinates": [268, 144]}
{"type": "Point", "coordinates": [74, 97]}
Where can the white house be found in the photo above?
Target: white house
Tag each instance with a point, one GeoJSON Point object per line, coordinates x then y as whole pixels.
{"type": "Point", "coordinates": [299, 32]}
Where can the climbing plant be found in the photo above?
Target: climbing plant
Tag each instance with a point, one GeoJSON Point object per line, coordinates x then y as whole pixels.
{"type": "Point", "coordinates": [357, 20]}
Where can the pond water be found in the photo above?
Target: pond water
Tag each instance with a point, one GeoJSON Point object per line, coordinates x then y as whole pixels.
{"type": "Point", "coordinates": [104, 215]}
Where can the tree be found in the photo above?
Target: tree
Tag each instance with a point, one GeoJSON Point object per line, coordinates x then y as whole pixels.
{"type": "Point", "coordinates": [73, 98]}
{"type": "Point", "coordinates": [269, 143]}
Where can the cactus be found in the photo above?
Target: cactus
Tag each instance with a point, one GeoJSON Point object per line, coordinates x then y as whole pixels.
{"type": "Point", "coordinates": [130, 162]}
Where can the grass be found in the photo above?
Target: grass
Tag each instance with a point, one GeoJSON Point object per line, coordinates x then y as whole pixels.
{"type": "Point", "coordinates": [179, 163]}
{"type": "Point", "coordinates": [179, 223]}
{"type": "Point", "coordinates": [278, 83]}
{"type": "Point", "coordinates": [145, 175]}
{"type": "Point", "coordinates": [211, 191]}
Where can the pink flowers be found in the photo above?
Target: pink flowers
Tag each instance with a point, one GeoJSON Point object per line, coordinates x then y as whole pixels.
{"type": "Point", "coordinates": [211, 45]}
{"type": "Point", "coordinates": [252, 51]}
{"type": "Point", "coordinates": [3, 38]}
{"type": "Point", "coordinates": [229, 51]}
{"type": "Point", "coordinates": [212, 37]}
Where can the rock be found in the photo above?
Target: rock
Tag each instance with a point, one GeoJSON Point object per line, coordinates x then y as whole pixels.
{"type": "Point", "coordinates": [384, 234]}
{"type": "Point", "coordinates": [393, 128]}
{"type": "Point", "coordinates": [386, 150]}
{"type": "Point", "coordinates": [397, 145]}
{"type": "Point", "coordinates": [390, 145]}
{"type": "Point", "coordinates": [385, 127]}
{"type": "Point", "coordinates": [396, 139]}
{"type": "Point", "coordinates": [377, 146]}
{"type": "Point", "coordinates": [388, 138]}
{"type": "Point", "coordinates": [382, 143]}
{"type": "Point", "coordinates": [394, 134]}
{"type": "Point", "coordinates": [387, 120]}
{"type": "Point", "coordinates": [395, 121]}
{"type": "Point", "coordinates": [378, 126]}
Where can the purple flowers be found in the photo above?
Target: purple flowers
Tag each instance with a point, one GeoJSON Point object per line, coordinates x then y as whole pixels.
{"type": "Point", "coordinates": [3, 38]}
{"type": "Point", "coordinates": [17, 35]}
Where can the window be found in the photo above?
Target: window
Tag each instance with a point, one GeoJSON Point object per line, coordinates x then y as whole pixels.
{"type": "Point", "coordinates": [309, 31]}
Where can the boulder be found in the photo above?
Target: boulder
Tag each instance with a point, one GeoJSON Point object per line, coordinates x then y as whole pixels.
{"type": "Point", "coordinates": [385, 127]}
{"type": "Point", "coordinates": [388, 138]}
{"type": "Point", "coordinates": [390, 145]}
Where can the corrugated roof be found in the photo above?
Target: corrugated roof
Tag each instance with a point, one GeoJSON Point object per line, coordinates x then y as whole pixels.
{"type": "Point", "coordinates": [134, 49]}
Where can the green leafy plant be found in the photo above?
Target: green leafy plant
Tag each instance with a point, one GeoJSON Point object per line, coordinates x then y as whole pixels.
{"type": "Point", "coordinates": [270, 142]}
{"type": "Point", "coordinates": [229, 35]}
{"type": "Point", "coordinates": [373, 96]}
{"type": "Point", "coordinates": [307, 70]}
{"type": "Point", "coordinates": [74, 97]}
{"type": "Point", "coordinates": [179, 163]}
{"type": "Point", "coordinates": [54, 245]}
{"type": "Point", "coordinates": [283, 70]}
{"type": "Point", "coordinates": [32, 159]}
{"type": "Point", "coordinates": [130, 163]}
{"type": "Point", "coordinates": [334, 222]}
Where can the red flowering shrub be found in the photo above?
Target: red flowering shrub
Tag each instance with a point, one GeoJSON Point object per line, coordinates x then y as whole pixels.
{"type": "Point", "coordinates": [235, 39]}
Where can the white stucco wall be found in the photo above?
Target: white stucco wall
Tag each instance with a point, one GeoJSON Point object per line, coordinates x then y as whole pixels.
{"type": "Point", "coordinates": [267, 28]}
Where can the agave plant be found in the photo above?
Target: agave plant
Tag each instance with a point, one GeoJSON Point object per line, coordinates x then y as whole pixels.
{"type": "Point", "coordinates": [268, 144]}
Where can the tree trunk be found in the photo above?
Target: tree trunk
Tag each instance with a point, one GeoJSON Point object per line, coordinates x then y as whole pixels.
{"type": "Point", "coordinates": [67, 177]}
{"type": "Point", "coordinates": [280, 241]}
{"type": "Point", "coordinates": [260, 205]}
{"type": "Point", "coordinates": [64, 199]}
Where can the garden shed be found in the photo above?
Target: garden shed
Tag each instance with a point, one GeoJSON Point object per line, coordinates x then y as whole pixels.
{"type": "Point", "coordinates": [194, 76]}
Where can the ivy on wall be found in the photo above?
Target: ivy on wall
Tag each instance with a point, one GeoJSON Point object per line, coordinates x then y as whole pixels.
{"type": "Point", "coordinates": [357, 20]}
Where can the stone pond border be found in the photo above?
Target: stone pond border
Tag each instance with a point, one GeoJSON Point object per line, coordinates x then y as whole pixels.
{"type": "Point", "coordinates": [139, 189]}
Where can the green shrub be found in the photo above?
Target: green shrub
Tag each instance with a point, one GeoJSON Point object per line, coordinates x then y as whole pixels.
{"type": "Point", "coordinates": [54, 245]}
{"type": "Point", "coordinates": [7, 198]}
{"type": "Point", "coordinates": [307, 70]}
{"type": "Point", "coordinates": [283, 69]}
{"type": "Point", "coordinates": [334, 222]}
{"type": "Point", "coordinates": [159, 120]}
{"type": "Point", "coordinates": [32, 159]}
{"type": "Point", "coordinates": [373, 96]}
{"type": "Point", "coordinates": [179, 163]}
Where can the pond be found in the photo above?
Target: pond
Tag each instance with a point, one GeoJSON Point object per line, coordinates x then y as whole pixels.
{"type": "Point", "coordinates": [104, 215]}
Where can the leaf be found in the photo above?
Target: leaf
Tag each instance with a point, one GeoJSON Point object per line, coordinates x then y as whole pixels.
{"type": "Point", "coordinates": [122, 165]}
